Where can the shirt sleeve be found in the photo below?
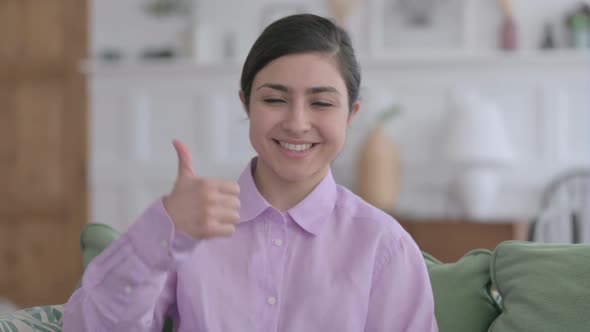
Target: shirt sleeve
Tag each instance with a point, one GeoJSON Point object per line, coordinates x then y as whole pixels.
{"type": "Point", "coordinates": [401, 294]}
{"type": "Point", "coordinates": [131, 285]}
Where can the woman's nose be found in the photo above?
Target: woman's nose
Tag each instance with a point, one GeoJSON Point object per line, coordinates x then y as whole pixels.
{"type": "Point", "coordinates": [297, 119]}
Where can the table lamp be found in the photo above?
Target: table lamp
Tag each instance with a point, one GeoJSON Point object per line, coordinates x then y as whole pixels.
{"type": "Point", "coordinates": [477, 146]}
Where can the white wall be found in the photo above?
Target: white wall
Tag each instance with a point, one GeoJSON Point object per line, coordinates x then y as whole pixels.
{"type": "Point", "coordinates": [137, 108]}
{"type": "Point", "coordinates": [123, 25]}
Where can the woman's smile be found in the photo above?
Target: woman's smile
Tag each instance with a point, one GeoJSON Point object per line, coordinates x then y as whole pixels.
{"type": "Point", "coordinates": [295, 150]}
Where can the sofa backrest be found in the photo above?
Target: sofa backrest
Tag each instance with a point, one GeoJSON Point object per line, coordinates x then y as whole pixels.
{"type": "Point", "coordinates": [540, 288]}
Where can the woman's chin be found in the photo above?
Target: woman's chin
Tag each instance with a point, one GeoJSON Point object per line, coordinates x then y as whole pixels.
{"type": "Point", "coordinates": [295, 178]}
{"type": "Point", "coordinates": [294, 174]}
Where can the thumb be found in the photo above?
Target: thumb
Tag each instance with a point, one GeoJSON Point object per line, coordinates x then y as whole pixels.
{"type": "Point", "coordinates": [185, 161]}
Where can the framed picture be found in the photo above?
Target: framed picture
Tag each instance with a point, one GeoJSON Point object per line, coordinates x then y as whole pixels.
{"type": "Point", "coordinates": [274, 11]}
{"type": "Point", "coordinates": [416, 26]}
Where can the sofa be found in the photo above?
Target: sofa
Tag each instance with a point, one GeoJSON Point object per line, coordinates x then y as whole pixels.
{"type": "Point", "coordinates": [519, 286]}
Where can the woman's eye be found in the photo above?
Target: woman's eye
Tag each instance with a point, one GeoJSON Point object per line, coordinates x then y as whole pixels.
{"type": "Point", "coordinates": [322, 104]}
{"type": "Point", "coordinates": [273, 100]}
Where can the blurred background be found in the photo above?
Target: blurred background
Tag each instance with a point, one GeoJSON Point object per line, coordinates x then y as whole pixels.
{"type": "Point", "coordinates": [475, 126]}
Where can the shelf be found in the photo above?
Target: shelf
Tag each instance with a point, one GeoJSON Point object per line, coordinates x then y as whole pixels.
{"type": "Point", "coordinates": [553, 57]}
{"type": "Point", "coordinates": [403, 59]}
{"type": "Point", "coordinates": [165, 67]}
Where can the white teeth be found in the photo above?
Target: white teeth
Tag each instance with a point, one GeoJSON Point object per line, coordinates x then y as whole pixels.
{"type": "Point", "coordinates": [295, 147]}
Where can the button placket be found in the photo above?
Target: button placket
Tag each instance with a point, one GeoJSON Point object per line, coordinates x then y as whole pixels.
{"type": "Point", "coordinates": [271, 300]}
{"type": "Point", "coordinates": [164, 244]}
{"type": "Point", "coordinates": [279, 231]}
{"type": "Point", "coordinates": [276, 242]}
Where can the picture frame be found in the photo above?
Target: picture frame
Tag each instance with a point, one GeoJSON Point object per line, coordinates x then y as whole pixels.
{"type": "Point", "coordinates": [413, 27]}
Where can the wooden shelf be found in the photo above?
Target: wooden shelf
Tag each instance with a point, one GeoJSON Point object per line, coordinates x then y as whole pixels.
{"type": "Point", "coordinates": [449, 240]}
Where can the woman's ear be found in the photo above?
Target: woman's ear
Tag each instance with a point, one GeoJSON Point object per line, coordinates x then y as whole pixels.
{"type": "Point", "coordinates": [243, 100]}
{"type": "Point", "coordinates": [356, 107]}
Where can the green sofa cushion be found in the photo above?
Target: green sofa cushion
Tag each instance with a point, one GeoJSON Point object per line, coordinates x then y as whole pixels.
{"type": "Point", "coordinates": [545, 287]}
{"type": "Point", "coordinates": [46, 318]}
{"type": "Point", "coordinates": [461, 291]}
{"type": "Point", "coordinates": [94, 238]}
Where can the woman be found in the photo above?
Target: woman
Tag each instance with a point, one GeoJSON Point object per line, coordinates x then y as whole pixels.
{"type": "Point", "coordinates": [283, 249]}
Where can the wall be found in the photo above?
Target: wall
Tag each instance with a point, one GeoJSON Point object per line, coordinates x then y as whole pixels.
{"type": "Point", "coordinates": [138, 107]}
{"type": "Point", "coordinates": [123, 25]}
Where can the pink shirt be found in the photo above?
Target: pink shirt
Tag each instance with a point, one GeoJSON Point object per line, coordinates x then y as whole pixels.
{"type": "Point", "coordinates": [331, 263]}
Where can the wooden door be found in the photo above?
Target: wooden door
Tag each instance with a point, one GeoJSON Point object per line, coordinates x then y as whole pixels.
{"type": "Point", "coordinates": [43, 193]}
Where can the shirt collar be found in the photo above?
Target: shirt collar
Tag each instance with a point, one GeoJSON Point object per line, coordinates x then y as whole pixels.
{"type": "Point", "coordinates": [252, 204]}
{"type": "Point", "coordinates": [311, 213]}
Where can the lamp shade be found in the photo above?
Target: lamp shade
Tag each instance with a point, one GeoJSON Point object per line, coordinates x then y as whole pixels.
{"type": "Point", "coordinates": [476, 135]}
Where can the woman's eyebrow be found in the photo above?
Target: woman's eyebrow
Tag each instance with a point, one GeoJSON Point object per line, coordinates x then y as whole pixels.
{"type": "Point", "coordinates": [310, 91]}
{"type": "Point", "coordinates": [321, 89]}
{"type": "Point", "coordinates": [313, 90]}
{"type": "Point", "coordinates": [274, 86]}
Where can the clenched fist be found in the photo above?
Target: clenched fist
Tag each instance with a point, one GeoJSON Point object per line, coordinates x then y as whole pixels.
{"type": "Point", "coordinates": [201, 207]}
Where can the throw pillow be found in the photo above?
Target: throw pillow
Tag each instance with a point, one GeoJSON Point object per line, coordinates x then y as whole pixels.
{"type": "Point", "coordinates": [45, 318]}
{"type": "Point", "coordinates": [461, 292]}
{"type": "Point", "coordinates": [544, 287]}
{"type": "Point", "coordinates": [94, 238]}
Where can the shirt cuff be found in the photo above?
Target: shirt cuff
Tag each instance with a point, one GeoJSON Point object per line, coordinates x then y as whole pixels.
{"type": "Point", "coordinates": [155, 240]}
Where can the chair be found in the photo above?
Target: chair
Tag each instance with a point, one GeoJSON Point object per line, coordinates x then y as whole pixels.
{"type": "Point", "coordinates": [565, 210]}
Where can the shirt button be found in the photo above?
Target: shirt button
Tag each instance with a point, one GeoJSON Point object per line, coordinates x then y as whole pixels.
{"type": "Point", "coordinates": [127, 289]}
{"type": "Point", "coordinates": [271, 300]}
{"type": "Point", "coordinates": [278, 242]}
{"type": "Point", "coordinates": [164, 244]}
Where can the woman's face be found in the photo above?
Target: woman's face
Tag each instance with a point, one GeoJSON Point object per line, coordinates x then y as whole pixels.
{"type": "Point", "coordinates": [298, 116]}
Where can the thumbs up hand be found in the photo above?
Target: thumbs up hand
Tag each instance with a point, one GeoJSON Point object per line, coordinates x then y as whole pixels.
{"type": "Point", "coordinates": [201, 207]}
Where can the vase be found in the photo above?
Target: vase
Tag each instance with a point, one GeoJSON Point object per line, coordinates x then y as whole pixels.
{"type": "Point", "coordinates": [379, 170]}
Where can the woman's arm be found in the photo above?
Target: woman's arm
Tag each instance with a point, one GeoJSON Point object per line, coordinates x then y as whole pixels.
{"type": "Point", "coordinates": [131, 286]}
{"type": "Point", "coordinates": [401, 295]}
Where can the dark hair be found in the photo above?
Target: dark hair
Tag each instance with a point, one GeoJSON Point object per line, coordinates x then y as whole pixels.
{"type": "Point", "coordinates": [302, 33]}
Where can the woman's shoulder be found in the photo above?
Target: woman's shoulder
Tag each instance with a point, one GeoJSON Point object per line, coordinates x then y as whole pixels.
{"type": "Point", "coordinates": [357, 211]}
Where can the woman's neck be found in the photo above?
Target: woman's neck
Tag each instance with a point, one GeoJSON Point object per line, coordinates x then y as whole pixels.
{"type": "Point", "coordinates": [280, 193]}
